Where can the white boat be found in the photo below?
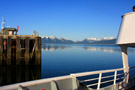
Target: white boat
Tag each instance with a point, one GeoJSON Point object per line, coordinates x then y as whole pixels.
{"type": "Point", "coordinates": [115, 79]}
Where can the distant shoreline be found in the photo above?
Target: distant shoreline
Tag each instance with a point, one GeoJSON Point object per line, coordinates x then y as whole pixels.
{"type": "Point", "coordinates": [80, 44]}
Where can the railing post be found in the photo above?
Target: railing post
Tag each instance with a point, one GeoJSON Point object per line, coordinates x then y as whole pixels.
{"type": "Point", "coordinates": [115, 77]}
{"type": "Point", "coordinates": [74, 82]}
{"type": "Point", "coordinates": [99, 80]}
{"type": "Point", "coordinates": [72, 75]}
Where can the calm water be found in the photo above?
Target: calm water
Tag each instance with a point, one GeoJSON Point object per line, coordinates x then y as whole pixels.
{"type": "Point", "coordinates": [64, 59]}
{"type": "Point", "coordinates": [58, 59]}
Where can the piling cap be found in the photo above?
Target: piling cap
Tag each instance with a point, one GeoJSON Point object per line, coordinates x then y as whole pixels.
{"type": "Point", "coordinates": [127, 29]}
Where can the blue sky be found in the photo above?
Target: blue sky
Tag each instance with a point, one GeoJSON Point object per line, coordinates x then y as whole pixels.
{"type": "Point", "coordinates": [71, 19]}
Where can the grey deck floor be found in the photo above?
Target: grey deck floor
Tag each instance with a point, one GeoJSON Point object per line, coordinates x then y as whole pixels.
{"type": "Point", "coordinates": [132, 88]}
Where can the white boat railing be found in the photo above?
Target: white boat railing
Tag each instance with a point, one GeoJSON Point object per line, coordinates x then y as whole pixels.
{"type": "Point", "coordinates": [117, 77]}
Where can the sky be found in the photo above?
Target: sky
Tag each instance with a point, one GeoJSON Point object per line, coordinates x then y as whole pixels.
{"type": "Point", "coordinates": [70, 19]}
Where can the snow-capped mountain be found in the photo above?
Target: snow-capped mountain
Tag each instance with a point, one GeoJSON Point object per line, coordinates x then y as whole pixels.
{"type": "Point", "coordinates": [105, 40]}
{"type": "Point", "coordinates": [99, 39]}
{"type": "Point", "coordinates": [53, 39]}
{"type": "Point", "coordinates": [47, 37]}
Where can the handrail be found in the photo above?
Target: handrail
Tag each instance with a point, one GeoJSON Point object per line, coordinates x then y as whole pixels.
{"type": "Point", "coordinates": [108, 76]}
{"type": "Point", "coordinates": [96, 72]}
{"type": "Point", "coordinates": [120, 78]}
{"type": "Point", "coordinates": [103, 77]}
{"type": "Point", "coordinates": [99, 80]}
{"type": "Point", "coordinates": [107, 81]}
{"type": "Point", "coordinates": [120, 74]}
{"type": "Point", "coordinates": [115, 77]}
{"type": "Point", "coordinates": [89, 80]}
{"type": "Point", "coordinates": [92, 84]}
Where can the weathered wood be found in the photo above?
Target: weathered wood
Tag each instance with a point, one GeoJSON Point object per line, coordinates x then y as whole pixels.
{"type": "Point", "coordinates": [31, 46]}
{"type": "Point", "coordinates": [36, 43]}
{"type": "Point", "coordinates": [9, 50]}
{"type": "Point", "coordinates": [1, 49]}
{"type": "Point", "coordinates": [38, 51]}
{"type": "Point", "coordinates": [17, 50]}
{"type": "Point", "coordinates": [1, 45]}
{"type": "Point", "coordinates": [39, 44]}
{"type": "Point", "coordinates": [27, 51]}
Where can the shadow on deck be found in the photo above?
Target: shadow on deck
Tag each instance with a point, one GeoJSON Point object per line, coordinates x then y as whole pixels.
{"type": "Point", "coordinates": [132, 88]}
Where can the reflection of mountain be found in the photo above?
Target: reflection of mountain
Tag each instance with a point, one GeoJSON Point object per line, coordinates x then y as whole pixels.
{"type": "Point", "coordinates": [106, 49]}
{"type": "Point", "coordinates": [102, 49]}
{"type": "Point", "coordinates": [47, 47]}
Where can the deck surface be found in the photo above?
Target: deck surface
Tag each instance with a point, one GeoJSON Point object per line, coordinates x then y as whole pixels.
{"type": "Point", "coordinates": [132, 88]}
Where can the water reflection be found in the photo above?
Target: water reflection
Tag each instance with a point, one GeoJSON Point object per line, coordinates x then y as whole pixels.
{"type": "Point", "coordinates": [15, 74]}
{"type": "Point", "coordinates": [104, 49]}
{"type": "Point", "coordinates": [20, 67]}
{"type": "Point", "coordinates": [24, 66]}
{"type": "Point", "coordinates": [107, 48]}
{"type": "Point", "coordinates": [52, 47]}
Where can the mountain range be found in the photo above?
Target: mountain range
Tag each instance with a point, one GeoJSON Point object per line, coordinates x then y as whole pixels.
{"type": "Point", "coordinates": [55, 40]}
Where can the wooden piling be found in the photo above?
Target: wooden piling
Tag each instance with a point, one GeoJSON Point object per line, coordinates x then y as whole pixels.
{"type": "Point", "coordinates": [31, 48]}
{"type": "Point", "coordinates": [9, 50]}
{"type": "Point", "coordinates": [38, 50]}
{"type": "Point", "coordinates": [18, 50]}
{"type": "Point", "coordinates": [27, 51]}
{"type": "Point", "coordinates": [1, 49]}
{"type": "Point", "coordinates": [1, 45]}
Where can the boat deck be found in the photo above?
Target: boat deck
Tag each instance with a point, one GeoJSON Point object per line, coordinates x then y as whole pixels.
{"type": "Point", "coordinates": [132, 88]}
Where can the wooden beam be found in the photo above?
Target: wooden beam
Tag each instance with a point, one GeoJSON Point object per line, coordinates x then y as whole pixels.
{"type": "Point", "coordinates": [27, 50]}
{"type": "Point", "coordinates": [9, 50]}
{"type": "Point", "coordinates": [38, 51]}
{"type": "Point", "coordinates": [1, 49]}
{"type": "Point", "coordinates": [18, 50]}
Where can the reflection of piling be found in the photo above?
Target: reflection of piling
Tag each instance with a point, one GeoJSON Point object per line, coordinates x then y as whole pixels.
{"type": "Point", "coordinates": [11, 74]}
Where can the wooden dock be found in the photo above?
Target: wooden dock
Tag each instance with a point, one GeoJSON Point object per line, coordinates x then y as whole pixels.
{"type": "Point", "coordinates": [19, 47]}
